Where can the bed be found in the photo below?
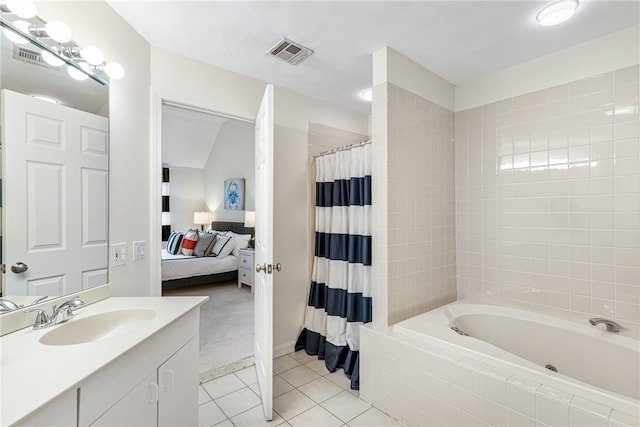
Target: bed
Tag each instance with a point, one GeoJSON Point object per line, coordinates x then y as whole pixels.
{"type": "Point", "coordinates": [180, 271]}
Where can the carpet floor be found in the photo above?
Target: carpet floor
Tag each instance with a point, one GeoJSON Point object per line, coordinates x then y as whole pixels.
{"type": "Point", "coordinates": [226, 327]}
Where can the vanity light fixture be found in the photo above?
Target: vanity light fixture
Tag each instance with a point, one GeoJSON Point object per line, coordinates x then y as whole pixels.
{"type": "Point", "coordinates": [32, 29]}
{"type": "Point", "coordinates": [557, 12]}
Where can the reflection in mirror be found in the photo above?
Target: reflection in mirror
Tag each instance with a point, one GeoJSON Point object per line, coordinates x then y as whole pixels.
{"type": "Point", "coordinates": [54, 149]}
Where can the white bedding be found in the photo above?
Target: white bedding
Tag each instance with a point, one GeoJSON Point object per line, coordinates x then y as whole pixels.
{"type": "Point", "coordinates": [180, 266]}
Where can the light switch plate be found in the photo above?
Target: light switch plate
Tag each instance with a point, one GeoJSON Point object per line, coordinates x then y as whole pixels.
{"type": "Point", "coordinates": [118, 254]}
{"type": "Point", "coordinates": [138, 250]}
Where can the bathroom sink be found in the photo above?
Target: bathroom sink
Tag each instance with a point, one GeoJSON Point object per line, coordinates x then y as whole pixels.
{"type": "Point", "coordinates": [80, 330]}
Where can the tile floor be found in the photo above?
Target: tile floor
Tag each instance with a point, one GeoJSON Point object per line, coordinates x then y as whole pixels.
{"type": "Point", "coordinates": [304, 394]}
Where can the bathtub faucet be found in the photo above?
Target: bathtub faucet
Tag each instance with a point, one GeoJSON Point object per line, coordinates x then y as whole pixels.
{"type": "Point", "coordinates": [611, 325]}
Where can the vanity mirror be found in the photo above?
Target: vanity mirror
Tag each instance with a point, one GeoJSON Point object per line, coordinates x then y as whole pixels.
{"type": "Point", "coordinates": [55, 158]}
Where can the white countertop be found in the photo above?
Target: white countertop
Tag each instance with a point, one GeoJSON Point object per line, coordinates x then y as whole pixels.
{"type": "Point", "coordinates": [32, 374]}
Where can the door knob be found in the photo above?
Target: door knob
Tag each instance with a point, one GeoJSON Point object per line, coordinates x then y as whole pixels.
{"type": "Point", "coordinates": [19, 267]}
{"type": "Point", "coordinates": [262, 267]}
{"type": "Point", "coordinates": [278, 267]}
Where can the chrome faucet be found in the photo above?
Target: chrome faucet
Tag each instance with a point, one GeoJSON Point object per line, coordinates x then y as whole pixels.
{"type": "Point", "coordinates": [8, 305]}
{"type": "Point", "coordinates": [611, 325]}
{"type": "Point", "coordinates": [60, 314]}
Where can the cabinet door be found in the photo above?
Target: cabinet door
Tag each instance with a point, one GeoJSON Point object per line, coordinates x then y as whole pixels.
{"type": "Point", "coordinates": [139, 407]}
{"type": "Point", "coordinates": [178, 379]}
{"type": "Point", "coordinates": [62, 411]}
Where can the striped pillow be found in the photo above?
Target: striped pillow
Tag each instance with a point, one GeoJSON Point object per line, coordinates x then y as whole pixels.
{"type": "Point", "coordinates": [174, 242]}
{"type": "Point", "coordinates": [189, 242]}
{"type": "Point", "coordinates": [219, 246]}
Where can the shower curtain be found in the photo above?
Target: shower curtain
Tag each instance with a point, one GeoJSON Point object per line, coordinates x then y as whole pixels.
{"type": "Point", "coordinates": [340, 294]}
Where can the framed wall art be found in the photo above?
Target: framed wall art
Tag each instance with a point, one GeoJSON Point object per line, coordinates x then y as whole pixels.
{"type": "Point", "coordinates": [234, 194]}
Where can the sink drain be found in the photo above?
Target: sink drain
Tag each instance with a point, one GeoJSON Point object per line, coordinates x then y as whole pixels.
{"type": "Point", "coordinates": [551, 368]}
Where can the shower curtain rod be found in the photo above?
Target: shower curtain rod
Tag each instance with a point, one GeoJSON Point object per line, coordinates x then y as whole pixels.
{"type": "Point", "coordinates": [347, 147]}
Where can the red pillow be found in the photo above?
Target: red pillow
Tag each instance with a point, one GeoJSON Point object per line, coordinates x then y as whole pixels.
{"type": "Point", "coordinates": [189, 242]}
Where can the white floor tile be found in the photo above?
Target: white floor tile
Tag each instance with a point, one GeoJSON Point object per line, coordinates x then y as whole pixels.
{"type": "Point", "coordinates": [209, 414]}
{"type": "Point", "coordinates": [237, 402]}
{"type": "Point", "coordinates": [256, 389]}
{"type": "Point", "coordinates": [254, 417]}
{"type": "Point", "coordinates": [315, 417]}
{"type": "Point", "coordinates": [280, 386]}
{"type": "Point", "coordinates": [302, 357]}
{"type": "Point", "coordinates": [203, 396]}
{"type": "Point", "coordinates": [223, 385]}
{"type": "Point", "coordinates": [318, 366]}
{"type": "Point", "coordinates": [320, 389]}
{"type": "Point", "coordinates": [299, 375]}
{"type": "Point", "coordinates": [225, 423]}
{"type": "Point", "coordinates": [340, 379]}
{"type": "Point", "coordinates": [248, 375]}
{"type": "Point", "coordinates": [373, 417]}
{"type": "Point", "coordinates": [346, 406]}
{"type": "Point", "coordinates": [284, 363]}
{"type": "Point", "coordinates": [291, 404]}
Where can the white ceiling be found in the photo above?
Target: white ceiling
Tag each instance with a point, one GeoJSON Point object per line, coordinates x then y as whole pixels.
{"type": "Point", "coordinates": [188, 136]}
{"type": "Point", "coordinates": [458, 40]}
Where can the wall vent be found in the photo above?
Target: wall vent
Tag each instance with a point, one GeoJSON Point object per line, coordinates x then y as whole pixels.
{"type": "Point", "coordinates": [31, 56]}
{"type": "Point", "coordinates": [290, 51]}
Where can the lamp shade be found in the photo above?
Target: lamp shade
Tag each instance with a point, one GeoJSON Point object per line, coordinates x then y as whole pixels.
{"type": "Point", "coordinates": [201, 218]}
{"type": "Point", "coordinates": [249, 219]}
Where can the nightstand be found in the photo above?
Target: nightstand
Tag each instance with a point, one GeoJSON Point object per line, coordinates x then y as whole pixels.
{"type": "Point", "coordinates": [245, 268]}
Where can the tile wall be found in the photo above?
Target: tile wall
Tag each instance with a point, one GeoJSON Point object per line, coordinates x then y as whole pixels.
{"type": "Point", "coordinates": [413, 203]}
{"type": "Point", "coordinates": [548, 202]}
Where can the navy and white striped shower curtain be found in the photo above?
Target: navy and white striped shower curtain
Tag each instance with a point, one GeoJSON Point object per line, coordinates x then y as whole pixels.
{"type": "Point", "coordinates": [340, 295]}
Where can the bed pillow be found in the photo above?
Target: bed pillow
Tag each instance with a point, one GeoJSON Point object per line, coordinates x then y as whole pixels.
{"type": "Point", "coordinates": [174, 242]}
{"type": "Point", "coordinates": [204, 245]}
{"type": "Point", "coordinates": [189, 242]}
{"type": "Point", "coordinates": [240, 241]}
{"type": "Point", "coordinates": [218, 249]}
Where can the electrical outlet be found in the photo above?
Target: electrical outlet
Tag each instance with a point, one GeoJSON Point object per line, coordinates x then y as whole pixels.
{"type": "Point", "coordinates": [138, 250]}
{"type": "Point", "coordinates": [118, 254]}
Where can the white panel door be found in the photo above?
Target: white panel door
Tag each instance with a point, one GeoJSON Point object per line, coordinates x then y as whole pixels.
{"type": "Point", "coordinates": [55, 213]}
{"type": "Point", "coordinates": [263, 299]}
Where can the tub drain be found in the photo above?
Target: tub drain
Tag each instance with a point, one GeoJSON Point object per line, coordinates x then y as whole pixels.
{"type": "Point", "coordinates": [551, 368]}
{"type": "Point", "coordinates": [458, 331]}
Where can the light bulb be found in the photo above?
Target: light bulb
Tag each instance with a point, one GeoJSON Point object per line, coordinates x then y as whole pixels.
{"type": "Point", "coordinates": [58, 31]}
{"type": "Point", "coordinates": [51, 59]}
{"type": "Point", "coordinates": [557, 13]}
{"type": "Point", "coordinates": [92, 55]}
{"type": "Point", "coordinates": [114, 70]}
{"type": "Point", "coordinates": [23, 8]}
{"type": "Point", "coordinates": [76, 74]}
{"type": "Point", "coordinates": [15, 37]}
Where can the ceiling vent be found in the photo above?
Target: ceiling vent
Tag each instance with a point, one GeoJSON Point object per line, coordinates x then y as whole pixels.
{"type": "Point", "coordinates": [290, 51]}
{"type": "Point", "coordinates": [31, 56]}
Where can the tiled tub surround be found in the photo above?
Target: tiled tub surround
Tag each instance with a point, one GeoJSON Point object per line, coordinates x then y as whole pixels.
{"type": "Point", "coordinates": [424, 374]}
{"type": "Point", "coordinates": [547, 200]}
{"type": "Point", "coordinates": [413, 202]}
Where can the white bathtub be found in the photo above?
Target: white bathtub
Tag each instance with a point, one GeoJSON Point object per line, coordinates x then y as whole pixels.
{"type": "Point", "coordinates": [597, 365]}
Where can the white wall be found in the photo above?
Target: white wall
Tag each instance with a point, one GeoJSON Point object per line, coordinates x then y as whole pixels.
{"type": "Point", "coordinates": [186, 197]}
{"type": "Point", "coordinates": [607, 53]}
{"type": "Point", "coordinates": [95, 23]}
{"type": "Point", "coordinates": [232, 156]}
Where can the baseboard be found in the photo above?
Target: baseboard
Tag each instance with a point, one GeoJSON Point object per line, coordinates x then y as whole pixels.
{"type": "Point", "coordinates": [283, 349]}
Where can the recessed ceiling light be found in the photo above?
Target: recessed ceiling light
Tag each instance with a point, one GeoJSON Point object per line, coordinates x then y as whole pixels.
{"type": "Point", "coordinates": [557, 12]}
{"type": "Point", "coordinates": [367, 94]}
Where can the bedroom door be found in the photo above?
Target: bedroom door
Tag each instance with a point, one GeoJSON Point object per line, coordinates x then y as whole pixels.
{"type": "Point", "coordinates": [263, 299]}
{"type": "Point", "coordinates": [55, 213]}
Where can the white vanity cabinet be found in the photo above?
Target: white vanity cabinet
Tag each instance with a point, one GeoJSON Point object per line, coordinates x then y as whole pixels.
{"type": "Point", "coordinates": [61, 412]}
{"type": "Point", "coordinates": [156, 383]}
{"type": "Point", "coordinates": [143, 372]}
